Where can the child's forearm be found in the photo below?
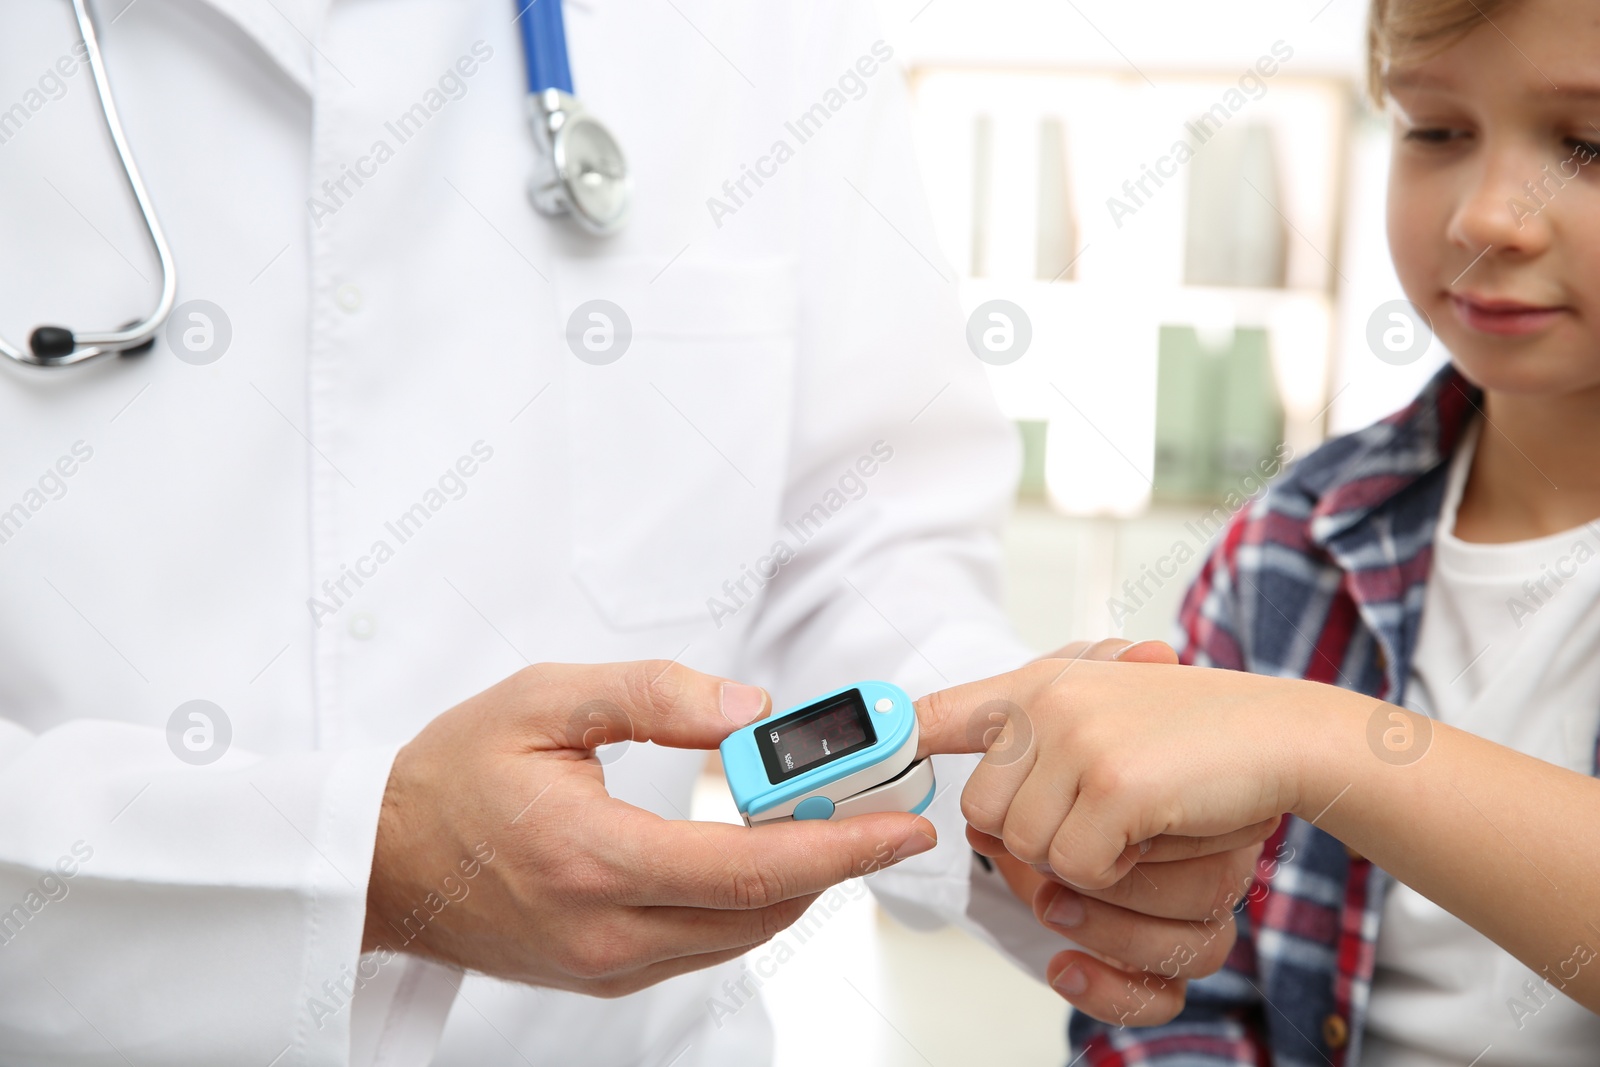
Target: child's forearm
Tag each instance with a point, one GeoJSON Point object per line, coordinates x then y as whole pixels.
{"type": "Point", "coordinates": [1508, 843]}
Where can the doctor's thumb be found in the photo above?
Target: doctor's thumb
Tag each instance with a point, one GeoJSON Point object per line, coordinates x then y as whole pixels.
{"type": "Point", "coordinates": [651, 700]}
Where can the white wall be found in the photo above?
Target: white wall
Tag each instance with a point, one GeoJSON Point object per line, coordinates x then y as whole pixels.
{"type": "Point", "coordinates": [1121, 35]}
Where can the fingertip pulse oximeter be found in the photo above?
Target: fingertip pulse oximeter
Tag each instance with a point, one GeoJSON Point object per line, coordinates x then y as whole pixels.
{"type": "Point", "coordinates": [850, 752]}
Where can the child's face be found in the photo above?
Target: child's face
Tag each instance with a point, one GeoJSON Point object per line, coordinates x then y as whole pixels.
{"type": "Point", "coordinates": [1474, 126]}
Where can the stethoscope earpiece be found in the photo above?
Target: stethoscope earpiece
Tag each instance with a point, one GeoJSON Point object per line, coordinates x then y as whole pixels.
{"type": "Point", "coordinates": [57, 346]}
{"type": "Point", "coordinates": [51, 342]}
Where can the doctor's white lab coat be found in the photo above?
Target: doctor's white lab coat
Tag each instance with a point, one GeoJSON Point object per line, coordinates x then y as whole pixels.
{"type": "Point", "coordinates": [365, 474]}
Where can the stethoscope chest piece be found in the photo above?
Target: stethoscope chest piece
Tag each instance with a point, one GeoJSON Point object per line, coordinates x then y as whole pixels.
{"type": "Point", "coordinates": [580, 169]}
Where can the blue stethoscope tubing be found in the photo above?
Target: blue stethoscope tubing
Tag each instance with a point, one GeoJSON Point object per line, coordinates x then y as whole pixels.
{"type": "Point", "coordinates": [544, 41]}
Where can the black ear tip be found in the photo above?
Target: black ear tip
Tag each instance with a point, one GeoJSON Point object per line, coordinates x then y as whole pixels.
{"type": "Point", "coordinates": [137, 350]}
{"type": "Point", "coordinates": [51, 341]}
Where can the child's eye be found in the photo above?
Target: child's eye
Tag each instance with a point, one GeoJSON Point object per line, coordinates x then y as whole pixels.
{"type": "Point", "coordinates": [1434, 135]}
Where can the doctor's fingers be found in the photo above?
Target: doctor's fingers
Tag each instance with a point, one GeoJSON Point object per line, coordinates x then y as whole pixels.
{"type": "Point", "coordinates": [620, 944]}
{"type": "Point", "coordinates": [668, 933]}
{"type": "Point", "coordinates": [633, 981]}
{"type": "Point", "coordinates": [1113, 995]}
{"type": "Point", "coordinates": [1172, 948]}
{"type": "Point", "coordinates": [738, 868]}
{"type": "Point", "coordinates": [583, 706]}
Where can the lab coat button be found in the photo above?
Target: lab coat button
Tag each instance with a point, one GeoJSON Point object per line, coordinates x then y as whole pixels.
{"type": "Point", "coordinates": [363, 626]}
{"type": "Point", "coordinates": [348, 297]}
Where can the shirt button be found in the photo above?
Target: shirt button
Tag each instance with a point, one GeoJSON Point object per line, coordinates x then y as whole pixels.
{"type": "Point", "coordinates": [363, 625]}
{"type": "Point", "coordinates": [348, 297]}
{"type": "Point", "coordinates": [1336, 1032]}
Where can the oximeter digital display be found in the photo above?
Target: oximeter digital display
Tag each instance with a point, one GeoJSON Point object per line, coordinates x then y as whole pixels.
{"type": "Point", "coordinates": [827, 730]}
{"type": "Point", "coordinates": [850, 752]}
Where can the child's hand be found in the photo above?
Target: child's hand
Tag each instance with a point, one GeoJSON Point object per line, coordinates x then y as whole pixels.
{"type": "Point", "coordinates": [1098, 760]}
{"type": "Point", "coordinates": [1094, 767]}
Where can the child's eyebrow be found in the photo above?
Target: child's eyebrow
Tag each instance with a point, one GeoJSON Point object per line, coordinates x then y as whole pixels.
{"type": "Point", "coordinates": [1418, 79]}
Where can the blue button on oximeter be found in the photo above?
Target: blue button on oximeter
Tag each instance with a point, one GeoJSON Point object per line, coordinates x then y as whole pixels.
{"type": "Point", "coordinates": [851, 752]}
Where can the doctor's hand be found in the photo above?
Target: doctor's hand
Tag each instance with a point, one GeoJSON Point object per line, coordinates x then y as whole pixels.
{"type": "Point", "coordinates": [1155, 922]}
{"type": "Point", "coordinates": [499, 849]}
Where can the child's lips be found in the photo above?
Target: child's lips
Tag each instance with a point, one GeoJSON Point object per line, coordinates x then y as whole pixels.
{"type": "Point", "coordinates": [1503, 318]}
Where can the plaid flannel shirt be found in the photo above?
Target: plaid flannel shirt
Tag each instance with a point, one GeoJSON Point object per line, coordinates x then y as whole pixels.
{"type": "Point", "coordinates": [1322, 578]}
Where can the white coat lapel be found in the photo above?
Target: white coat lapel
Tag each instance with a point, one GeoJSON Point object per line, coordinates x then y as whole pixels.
{"type": "Point", "coordinates": [286, 30]}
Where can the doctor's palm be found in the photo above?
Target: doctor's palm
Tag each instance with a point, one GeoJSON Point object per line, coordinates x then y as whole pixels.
{"type": "Point", "coordinates": [569, 887]}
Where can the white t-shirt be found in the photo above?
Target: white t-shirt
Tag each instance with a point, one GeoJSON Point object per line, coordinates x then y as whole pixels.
{"type": "Point", "coordinates": [1509, 650]}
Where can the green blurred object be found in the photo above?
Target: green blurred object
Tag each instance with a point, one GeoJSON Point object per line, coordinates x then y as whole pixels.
{"type": "Point", "coordinates": [1033, 433]}
{"type": "Point", "coordinates": [1218, 414]}
{"type": "Point", "coordinates": [1251, 410]}
{"type": "Point", "coordinates": [1185, 401]}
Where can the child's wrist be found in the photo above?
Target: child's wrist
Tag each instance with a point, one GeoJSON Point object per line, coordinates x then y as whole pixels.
{"type": "Point", "coordinates": [1327, 729]}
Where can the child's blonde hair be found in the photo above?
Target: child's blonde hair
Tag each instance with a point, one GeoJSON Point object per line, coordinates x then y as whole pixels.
{"type": "Point", "coordinates": [1414, 28]}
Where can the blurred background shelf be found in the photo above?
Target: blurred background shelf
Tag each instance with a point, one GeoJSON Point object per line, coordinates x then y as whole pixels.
{"type": "Point", "coordinates": [1172, 237]}
{"type": "Point", "coordinates": [1063, 572]}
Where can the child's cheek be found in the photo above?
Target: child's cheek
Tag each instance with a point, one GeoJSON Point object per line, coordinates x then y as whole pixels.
{"type": "Point", "coordinates": [1418, 222]}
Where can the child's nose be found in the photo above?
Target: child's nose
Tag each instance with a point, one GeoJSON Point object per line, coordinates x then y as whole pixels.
{"type": "Point", "coordinates": [1506, 203]}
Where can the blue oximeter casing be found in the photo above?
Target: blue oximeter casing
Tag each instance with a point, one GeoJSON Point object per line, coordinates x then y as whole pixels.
{"type": "Point", "coordinates": [849, 752]}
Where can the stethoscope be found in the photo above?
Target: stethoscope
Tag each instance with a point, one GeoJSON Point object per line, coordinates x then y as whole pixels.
{"type": "Point", "coordinates": [580, 171]}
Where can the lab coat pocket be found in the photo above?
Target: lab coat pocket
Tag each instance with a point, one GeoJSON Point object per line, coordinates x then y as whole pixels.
{"type": "Point", "coordinates": [680, 442]}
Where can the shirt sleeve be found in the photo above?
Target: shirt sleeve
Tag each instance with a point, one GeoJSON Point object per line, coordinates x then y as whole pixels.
{"type": "Point", "coordinates": [225, 903]}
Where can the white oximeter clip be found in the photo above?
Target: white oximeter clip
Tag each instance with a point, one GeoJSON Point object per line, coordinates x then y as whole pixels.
{"type": "Point", "coordinates": [850, 752]}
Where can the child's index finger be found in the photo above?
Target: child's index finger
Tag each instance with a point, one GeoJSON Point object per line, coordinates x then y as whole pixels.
{"type": "Point", "coordinates": [971, 717]}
